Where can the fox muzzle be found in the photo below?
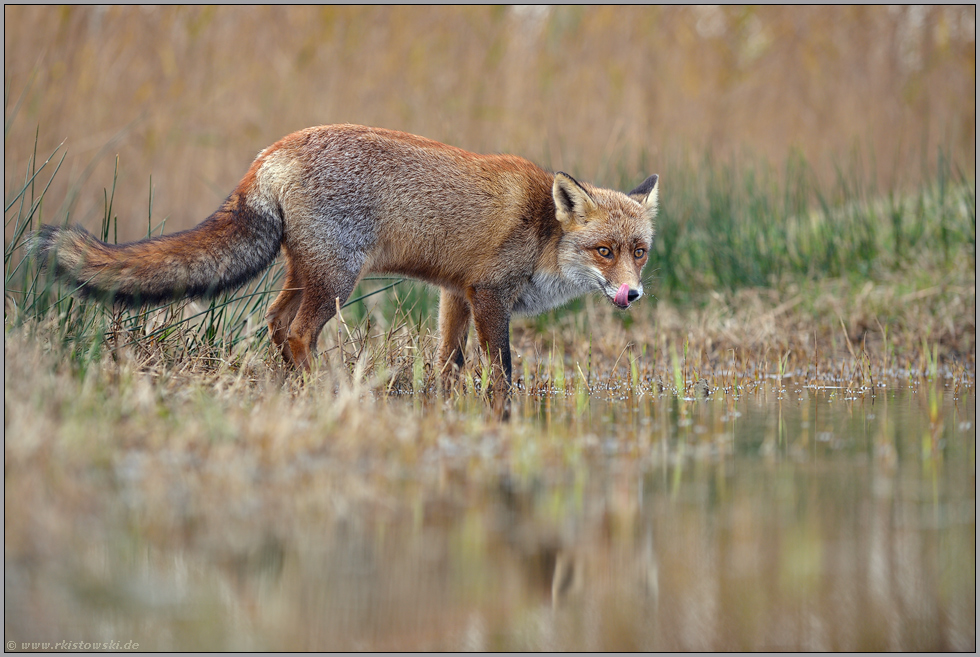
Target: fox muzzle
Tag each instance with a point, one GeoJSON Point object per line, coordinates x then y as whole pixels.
{"type": "Point", "coordinates": [626, 295]}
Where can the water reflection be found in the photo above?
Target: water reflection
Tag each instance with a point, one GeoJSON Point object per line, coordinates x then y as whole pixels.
{"type": "Point", "coordinates": [790, 519]}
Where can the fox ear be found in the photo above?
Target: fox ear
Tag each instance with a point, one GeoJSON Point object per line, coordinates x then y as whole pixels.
{"type": "Point", "coordinates": [647, 193]}
{"type": "Point", "coordinates": [573, 205]}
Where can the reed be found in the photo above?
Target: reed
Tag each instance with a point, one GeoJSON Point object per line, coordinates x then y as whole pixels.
{"type": "Point", "coordinates": [605, 93]}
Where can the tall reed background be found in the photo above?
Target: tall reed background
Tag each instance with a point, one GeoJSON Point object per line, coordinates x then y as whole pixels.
{"type": "Point", "coordinates": [189, 95]}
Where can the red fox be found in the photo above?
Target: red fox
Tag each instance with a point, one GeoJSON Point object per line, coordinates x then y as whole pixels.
{"type": "Point", "coordinates": [496, 233]}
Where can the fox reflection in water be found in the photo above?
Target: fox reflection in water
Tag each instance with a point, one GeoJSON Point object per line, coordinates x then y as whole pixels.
{"type": "Point", "coordinates": [552, 561]}
{"type": "Point", "coordinates": [357, 577]}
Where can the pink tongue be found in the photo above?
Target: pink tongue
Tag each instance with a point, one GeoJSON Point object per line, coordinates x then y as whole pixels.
{"type": "Point", "coordinates": [622, 296]}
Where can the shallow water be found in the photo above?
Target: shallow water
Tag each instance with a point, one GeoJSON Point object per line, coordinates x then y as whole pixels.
{"type": "Point", "coordinates": [781, 519]}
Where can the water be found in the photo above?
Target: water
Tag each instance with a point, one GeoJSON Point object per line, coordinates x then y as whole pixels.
{"type": "Point", "coordinates": [789, 519]}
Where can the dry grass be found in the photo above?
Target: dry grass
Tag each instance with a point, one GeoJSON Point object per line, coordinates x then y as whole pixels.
{"type": "Point", "coordinates": [357, 509]}
{"type": "Point", "coordinates": [189, 95]}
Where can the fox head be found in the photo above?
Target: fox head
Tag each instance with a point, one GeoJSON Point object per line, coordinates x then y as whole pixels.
{"type": "Point", "coordinates": [606, 235]}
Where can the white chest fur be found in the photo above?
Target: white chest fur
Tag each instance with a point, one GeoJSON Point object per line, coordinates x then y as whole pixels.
{"type": "Point", "coordinates": [546, 291]}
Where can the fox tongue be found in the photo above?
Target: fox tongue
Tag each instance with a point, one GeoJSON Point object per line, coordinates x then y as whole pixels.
{"type": "Point", "coordinates": [622, 296]}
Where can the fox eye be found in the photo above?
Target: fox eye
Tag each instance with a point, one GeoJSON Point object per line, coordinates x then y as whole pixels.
{"type": "Point", "coordinates": [639, 253]}
{"type": "Point", "coordinates": [604, 251]}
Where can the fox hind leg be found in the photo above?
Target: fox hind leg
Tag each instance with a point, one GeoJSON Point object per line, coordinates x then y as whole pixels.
{"type": "Point", "coordinates": [317, 306]}
{"type": "Point", "coordinates": [283, 310]}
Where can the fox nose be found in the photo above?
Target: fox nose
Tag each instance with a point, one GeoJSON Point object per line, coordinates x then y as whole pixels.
{"type": "Point", "coordinates": [626, 295]}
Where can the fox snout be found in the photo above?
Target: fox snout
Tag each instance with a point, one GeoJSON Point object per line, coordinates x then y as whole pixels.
{"type": "Point", "coordinates": [626, 295]}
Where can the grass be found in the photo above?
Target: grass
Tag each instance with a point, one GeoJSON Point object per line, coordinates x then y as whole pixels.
{"type": "Point", "coordinates": [732, 226]}
{"type": "Point", "coordinates": [162, 459]}
{"type": "Point", "coordinates": [746, 261]}
{"type": "Point", "coordinates": [135, 485]}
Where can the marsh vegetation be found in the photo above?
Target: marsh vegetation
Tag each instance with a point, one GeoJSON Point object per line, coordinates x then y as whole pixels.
{"type": "Point", "coordinates": [774, 449]}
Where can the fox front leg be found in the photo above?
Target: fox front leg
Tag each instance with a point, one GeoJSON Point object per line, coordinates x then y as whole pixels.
{"type": "Point", "coordinates": [491, 316]}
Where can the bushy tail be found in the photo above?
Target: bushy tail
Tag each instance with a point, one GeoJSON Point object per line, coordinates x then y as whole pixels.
{"type": "Point", "coordinates": [226, 250]}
